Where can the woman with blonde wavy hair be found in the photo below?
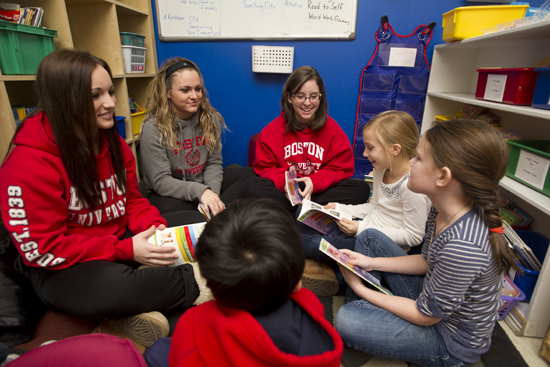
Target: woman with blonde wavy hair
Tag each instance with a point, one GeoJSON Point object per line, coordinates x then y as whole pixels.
{"type": "Point", "coordinates": [181, 141]}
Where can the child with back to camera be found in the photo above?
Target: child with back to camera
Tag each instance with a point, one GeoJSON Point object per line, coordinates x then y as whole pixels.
{"type": "Point", "coordinates": [390, 141]}
{"type": "Point", "coordinates": [446, 300]}
{"type": "Point", "coordinates": [252, 260]}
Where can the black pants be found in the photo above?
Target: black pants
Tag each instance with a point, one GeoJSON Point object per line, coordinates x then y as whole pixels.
{"type": "Point", "coordinates": [103, 289]}
{"type": "Point", "coordinates": [248, 184]}
{"type": "Point", "coordinates": [231, 175]}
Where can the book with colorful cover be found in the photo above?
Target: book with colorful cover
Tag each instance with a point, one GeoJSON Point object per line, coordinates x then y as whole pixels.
{"type": "Point", "coordinates": [291, 188]}
{"type": "Point", "coordinates": [183, 238]}
{"type": "Point", "coordinates": [468, 112]}
{"type": "Point", "coordinates": [321, 219]}
{"type": "Point", "coordinates": [344, 259]}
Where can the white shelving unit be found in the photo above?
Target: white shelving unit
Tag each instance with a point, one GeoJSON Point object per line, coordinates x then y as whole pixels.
{"type": "Point", "coordinates": [452, 84]}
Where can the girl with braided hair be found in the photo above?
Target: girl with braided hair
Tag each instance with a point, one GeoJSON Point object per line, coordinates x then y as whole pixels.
{"type": "Point", "coordinates": [446, 300]}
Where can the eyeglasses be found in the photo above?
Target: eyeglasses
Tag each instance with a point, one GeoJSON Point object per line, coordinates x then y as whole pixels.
{"type": "Point", "coordinates": [301, 97]}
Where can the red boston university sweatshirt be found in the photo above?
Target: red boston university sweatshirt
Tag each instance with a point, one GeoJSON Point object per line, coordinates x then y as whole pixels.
{"type": "Point", "coordinates": [48, 223]}
{"type": "Point", "coordinates": [324, 155]}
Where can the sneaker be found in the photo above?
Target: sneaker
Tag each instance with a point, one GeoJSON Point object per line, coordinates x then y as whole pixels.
{"type": "Point", "coordinates": [319, 278]}
{"type": "Point", "coordinates": [144, 328]}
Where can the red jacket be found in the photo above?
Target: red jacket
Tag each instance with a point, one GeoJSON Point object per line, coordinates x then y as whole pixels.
{"type": "Point", "coordinates": [211, 336]}
{"type": "Point", "coordinates": [324, 155]}
{"type": "Point", "coordinates": [49, 225]}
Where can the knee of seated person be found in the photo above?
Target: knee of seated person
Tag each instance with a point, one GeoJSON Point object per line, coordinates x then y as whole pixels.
{"type": "Point", "coordinates": [343, 321]}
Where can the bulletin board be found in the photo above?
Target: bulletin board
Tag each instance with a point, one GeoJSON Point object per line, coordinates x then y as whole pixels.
{"type": "Point", "coordinates": [180, 20]}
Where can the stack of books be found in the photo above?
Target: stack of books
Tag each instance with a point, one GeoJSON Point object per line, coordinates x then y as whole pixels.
{"type": "Point", "coordinates": [14, 13]}
{"type": "Point", "coordinates": [524, 254]}
{"type": "Point", "coordinates": [513, 215]}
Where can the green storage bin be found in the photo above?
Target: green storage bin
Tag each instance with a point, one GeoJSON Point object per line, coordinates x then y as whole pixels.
{"type": "Point", "coordinates": [23, 47]}
{"type": "Point", "coordinates": [541, 148]}
{"type": "Point", "coordinates": [132, 39]}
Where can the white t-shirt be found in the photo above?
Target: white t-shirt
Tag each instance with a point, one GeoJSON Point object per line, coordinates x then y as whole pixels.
{"type": "Point", "coordinates": [394, 210]}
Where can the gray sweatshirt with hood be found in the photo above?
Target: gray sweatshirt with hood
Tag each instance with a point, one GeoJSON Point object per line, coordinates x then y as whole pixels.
{"type": "Point", "coordinates": [183, 174]}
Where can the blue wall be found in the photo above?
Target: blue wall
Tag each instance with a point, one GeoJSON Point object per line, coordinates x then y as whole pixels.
{"type": "Point", "coordinates": [248, 101]}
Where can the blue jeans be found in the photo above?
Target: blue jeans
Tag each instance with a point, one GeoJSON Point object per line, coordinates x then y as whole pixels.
{"type": "Point", "coordinates": [375, 331]}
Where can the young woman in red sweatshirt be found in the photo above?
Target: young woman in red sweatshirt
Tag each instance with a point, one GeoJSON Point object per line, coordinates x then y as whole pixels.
{"type": "Point", "coordinates": [70, 200]}
{"type": "Point", "coordinates": [306, 139]}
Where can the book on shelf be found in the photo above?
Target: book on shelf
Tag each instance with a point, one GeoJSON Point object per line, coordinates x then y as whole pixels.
{"type": "Point", "coordinates": [468, 112]}
{"type": "Point", "coordinates": [183, 238]}
{"type": "Point", "coordinates": [20, 112]}
{"type": "Point", "coordinates": [344, 260]}
{"type": "Point", "coordinates": [524, 254]}
{"type": "Point", "coordinates": [321, 219]}
{"type": "Point", "coordinates": [292, 188]}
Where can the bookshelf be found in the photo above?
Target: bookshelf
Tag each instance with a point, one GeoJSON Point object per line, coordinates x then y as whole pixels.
{"type": "Point", "coordinates": [94, 26]}
{"type": "Point", "coordinates": [452, 84]}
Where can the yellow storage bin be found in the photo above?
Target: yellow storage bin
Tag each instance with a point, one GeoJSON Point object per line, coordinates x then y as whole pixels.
{"type": "Point", "coordinates": [468, 21]}
{"type": "Point", "coordinates": [137, 118]}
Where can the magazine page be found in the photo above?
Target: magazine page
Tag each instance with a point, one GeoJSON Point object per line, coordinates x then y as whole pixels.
{"type": "Point", "coordinates": [183, 238]}
{"type": "Point", "coordinates": [344, 259]}
{"type": "Point", "coordinates": [291, 188]}
{"type": "Point", "coordinates": [320, 219]}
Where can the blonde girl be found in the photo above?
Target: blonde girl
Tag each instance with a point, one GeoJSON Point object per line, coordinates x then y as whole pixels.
{"type": "Point", "coordinates": [390, 141]}
{"type": "Point", "coordinates": [181, 141]}
{"type": "Point", "coordinates": [446, 300]}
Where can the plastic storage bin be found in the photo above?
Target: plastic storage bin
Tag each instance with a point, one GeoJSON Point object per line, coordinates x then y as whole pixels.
{"type": "Point", "coordinates": [466, 22]}
{"type": "Point", "coordinates": [132, 39]}
{"type": "Point", "coordinates": [121, 126]}
{"type": "Point", "coordinates": [519, 88]}
{"type": "Point", "coordinates": [137, 118]}
{"type": "Point", "coordinates": [23, 47]}
{"type": "Point", "coordinates": [539, 245]}
{"type": "Point", "coordinates": [509, 302]}
{"type": "Point", "coordinates": [134, 59]}
{"type": "Point", "coordinates": [541, 148]}
{"type": "Point", "coordinates": [541, 97]}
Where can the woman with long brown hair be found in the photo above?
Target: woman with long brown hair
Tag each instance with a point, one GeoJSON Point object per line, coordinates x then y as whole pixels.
{"type": "Point", "coordinates": [70, 200]}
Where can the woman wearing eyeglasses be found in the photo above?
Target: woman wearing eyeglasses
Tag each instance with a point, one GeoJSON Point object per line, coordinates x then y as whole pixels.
{"type": "Point", "coordinates": [306, 139]}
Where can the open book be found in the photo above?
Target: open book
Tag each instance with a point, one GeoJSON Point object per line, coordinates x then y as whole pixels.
{"type": "Point", "coordinates": [344, 259]}
{"type": "Point", "coordinates": [291, 188]}
{"type": "Point", "coordinates": [183, 238]}
{"type": "Point", "coordinates": [323, 220]}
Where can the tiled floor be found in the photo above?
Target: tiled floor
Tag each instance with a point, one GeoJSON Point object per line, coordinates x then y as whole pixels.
{"type": "Point", "coordinates": [528, 347]}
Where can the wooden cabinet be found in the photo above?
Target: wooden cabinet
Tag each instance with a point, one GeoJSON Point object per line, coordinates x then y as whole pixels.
{"type": "Point", "coordinates": [94, 26]}
{"type": "Point", "coordinates": [452, 84]}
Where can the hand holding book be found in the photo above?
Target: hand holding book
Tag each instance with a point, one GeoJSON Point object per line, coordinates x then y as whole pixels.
{"type": "Point", "coordinates": [345, 261]}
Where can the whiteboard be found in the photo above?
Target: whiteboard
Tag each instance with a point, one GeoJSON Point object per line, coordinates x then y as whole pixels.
{"type": "Point", "coordinates": [256, 19]}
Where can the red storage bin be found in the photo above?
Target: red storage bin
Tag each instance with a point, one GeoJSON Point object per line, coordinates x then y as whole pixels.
{"type": "Point", "coordinates": [519, 88]}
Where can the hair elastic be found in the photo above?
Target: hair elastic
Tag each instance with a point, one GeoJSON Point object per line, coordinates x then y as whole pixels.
{"type": "Point", "coordinates": [497, 230]}
{"type": "Point", "coordinates": [177, 66]}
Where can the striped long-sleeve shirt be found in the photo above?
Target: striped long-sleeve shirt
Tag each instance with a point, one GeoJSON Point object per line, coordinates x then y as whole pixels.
{"type": "Point", "coordinates": [462, 285]}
